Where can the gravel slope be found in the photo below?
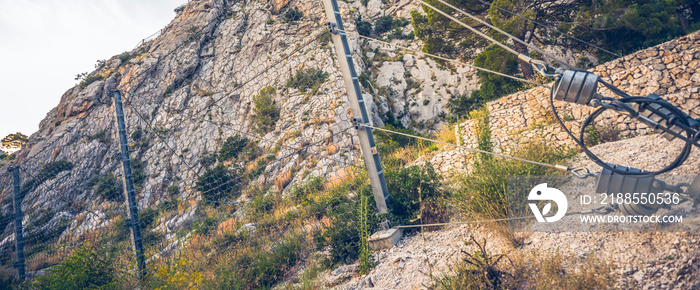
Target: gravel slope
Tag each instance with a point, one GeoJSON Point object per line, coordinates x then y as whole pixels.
{"type": "Point", "coordinates": [637, 260]}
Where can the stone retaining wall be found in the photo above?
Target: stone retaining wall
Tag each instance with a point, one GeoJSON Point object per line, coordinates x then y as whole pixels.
{"type": "Point", "coordinates": [670, 70]}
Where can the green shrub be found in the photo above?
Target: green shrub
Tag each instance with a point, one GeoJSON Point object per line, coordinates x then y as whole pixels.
{"type": "Point", "coordinates": [91, 79]}
{"type": "Point", "coordinates": [151, 238]}
{"type": "Point", "coordinates": [347, 216]}
{"type": "Point", "coordinates": [483, 193]}
{"type": "Point", "coordinates": [207, 159]}
{"type": "Point", "coordinates": [124, 57]}
{"type": "Point", "coordinates": [258, 269]}
{"type": "Point", "coordinates": [383, 24]}
{"type": "Point", "coordinates": [304, 192]}
{"type": "Point", "coordinates": [308, 79]}
{"type": "Point", "coordinates": [388, 23]}
{"type": "Point", "coordinates": [260, 204]}
{"type": "Point", "coordinates": [86, 268]}
{"type": "Point", "coordinates": [598, 134]}
{"type": "Point", "coordinates": [325, 38]}
{"type": "Point", "coordinates": [8, 282]}
{"type": "Point", "coordinates": [137, 134]}
{"type": "Point", "coordinates": [218, 183]}
{"type": "Point", "coordinates": [266, 111]}
{"type": "Point", "coordinates": [179, 9]}
{"type": "Point", "coordinates": [364, 28]}
{"type": "Point", "coordinates": [492, 86]}
{"type": "Point", "coordinates": [460, 105]}
{"type": "Point", "coordinates": [206, 226]}
{"type": "Point", "coordinates": [138, 172]}
{"type": "Point", "coordinates": [388, 143]}
{"type": "Point", "coordinates": [233, 147]}
{"type": "Point", "coordinates": [109, 188]}
{"type": "Point", "coordinates": [292, 15]}
{"type": "Point", "coordinates": [147, 217]}
{"type": "Point", "coordinates": [416, 193]}
{"type": "Point", "coordinates": [173, 189]}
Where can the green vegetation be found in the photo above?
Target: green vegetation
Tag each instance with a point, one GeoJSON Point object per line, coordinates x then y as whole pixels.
{"type": "Point", "coordinates": [218, 183]}
{"type": "Point", "coordinates": [383, 24]}
{"type": "Point", "coordinates": [386, 24]}
{"type": "Point", "coordinates": [137, 134]}
{"type": "Point", "coordinates": [619, 26]}
{"type": "Point", "coordinates": [90, 79]}
{"type": "Point", "coordinates": [417, 196]}
{"type": "Point", "coordinates": [232, 148]}
{"type": "Point", "coordinates": [173, 190]}
{"type": "Point", "coordinates": [124, 57]}
{"type": "Point", "coordinates": [348, 218]}
{"type": "Point", "coordinates": [598, 134]}
{"type": "Point", "coordinates": [179, 9]}
{"type": "Point", "coordinates": [484, 193]}
{"type": "Point", "coordinates": [308, 79]}
{"type": "Point", "coordinates": [492, 86]}
{"type": "Point", "coordinates": [325, 38]}
{"type": "Point", "coordinates": [266, 111]}
{"type": "Point", "coordinates": [14, 140]}
{"type": "Point", "coordinates": [292, 16]}
{"type": "Point", "coordinates": [108, 187]}
{"type": "Point", "coordinates": [138, 172]}
{"type": "Point", "coordinates": [257, 269]}
{"type": "Point", "coordinates": [86, 268]}
{"type": "Point", "coordinates": [207, 159]}
{"type": "Point", "coordinates": [364, 28]}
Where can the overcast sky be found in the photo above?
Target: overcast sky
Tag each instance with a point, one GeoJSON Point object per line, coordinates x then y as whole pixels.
{"type": "Point", "coordinates": [45, 43]}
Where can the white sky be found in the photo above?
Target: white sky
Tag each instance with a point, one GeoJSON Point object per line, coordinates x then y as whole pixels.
{"type": "Point", "coordinates": [45, 43]}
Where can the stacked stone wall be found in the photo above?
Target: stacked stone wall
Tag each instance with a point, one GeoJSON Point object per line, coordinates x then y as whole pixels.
{"type": "Point", "coordinates": [670, 70]}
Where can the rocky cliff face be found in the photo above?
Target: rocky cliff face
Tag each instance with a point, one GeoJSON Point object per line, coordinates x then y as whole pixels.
{"type": "Point", "coordinates": [192, 87]}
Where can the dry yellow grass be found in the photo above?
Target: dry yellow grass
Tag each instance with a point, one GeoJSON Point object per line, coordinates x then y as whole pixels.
{"type": "Point", "coordinates": [446, 134]}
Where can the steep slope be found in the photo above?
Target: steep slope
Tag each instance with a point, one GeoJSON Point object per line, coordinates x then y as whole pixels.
{"type": "Point", "coordinates": [189, 90]}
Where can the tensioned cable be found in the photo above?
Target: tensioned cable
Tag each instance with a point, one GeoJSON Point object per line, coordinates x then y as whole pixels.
{"type": "Point", "coordinates": [614, 89]}
{"type": "Point", "coordinates": [446, 59]}
{"type": "Point", "coordinates": [237, 180]}
{"type": "Point", "coordinates": [520, 55]}
{"type": "Point", "coordinates": [549, 27]}
{"type": "Point", "coordinates": [194, 117]}
{"type": "Point", "coordinates": [558, 167]}
{"type": "Point", "coordinates": [494, 28]}
{"type": "Point", "coordinates": [223, 97]}
{"type": "Point", "coordinates": [490, 220]}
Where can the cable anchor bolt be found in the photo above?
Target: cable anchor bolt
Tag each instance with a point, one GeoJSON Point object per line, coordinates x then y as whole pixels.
{"type": "Point", "coordinates": [357, 122]}
{"type": "Point", "coordinates": [540, 66]}
{"type": "Point", "coordinates": [606, 209]}
{"type": "Point", "coordinates": [332, 27]}
{"type": "Point", "coordinates": [581, 172]}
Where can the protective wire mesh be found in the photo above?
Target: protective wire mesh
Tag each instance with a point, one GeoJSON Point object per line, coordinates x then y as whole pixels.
{"type": "Point", "coordinates": [240, 151]}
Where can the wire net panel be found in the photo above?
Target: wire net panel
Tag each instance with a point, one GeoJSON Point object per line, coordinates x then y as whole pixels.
{"type": "Point", "coordinates": [240, 142]}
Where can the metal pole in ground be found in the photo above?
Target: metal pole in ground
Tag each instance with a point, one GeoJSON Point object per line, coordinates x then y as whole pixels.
{"type": "Point", "coordinates": [19, 236]}
{"type": "Point", "coordinates": [357, 104]}
{"type": "Point", "coordinates": [132, 209]}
